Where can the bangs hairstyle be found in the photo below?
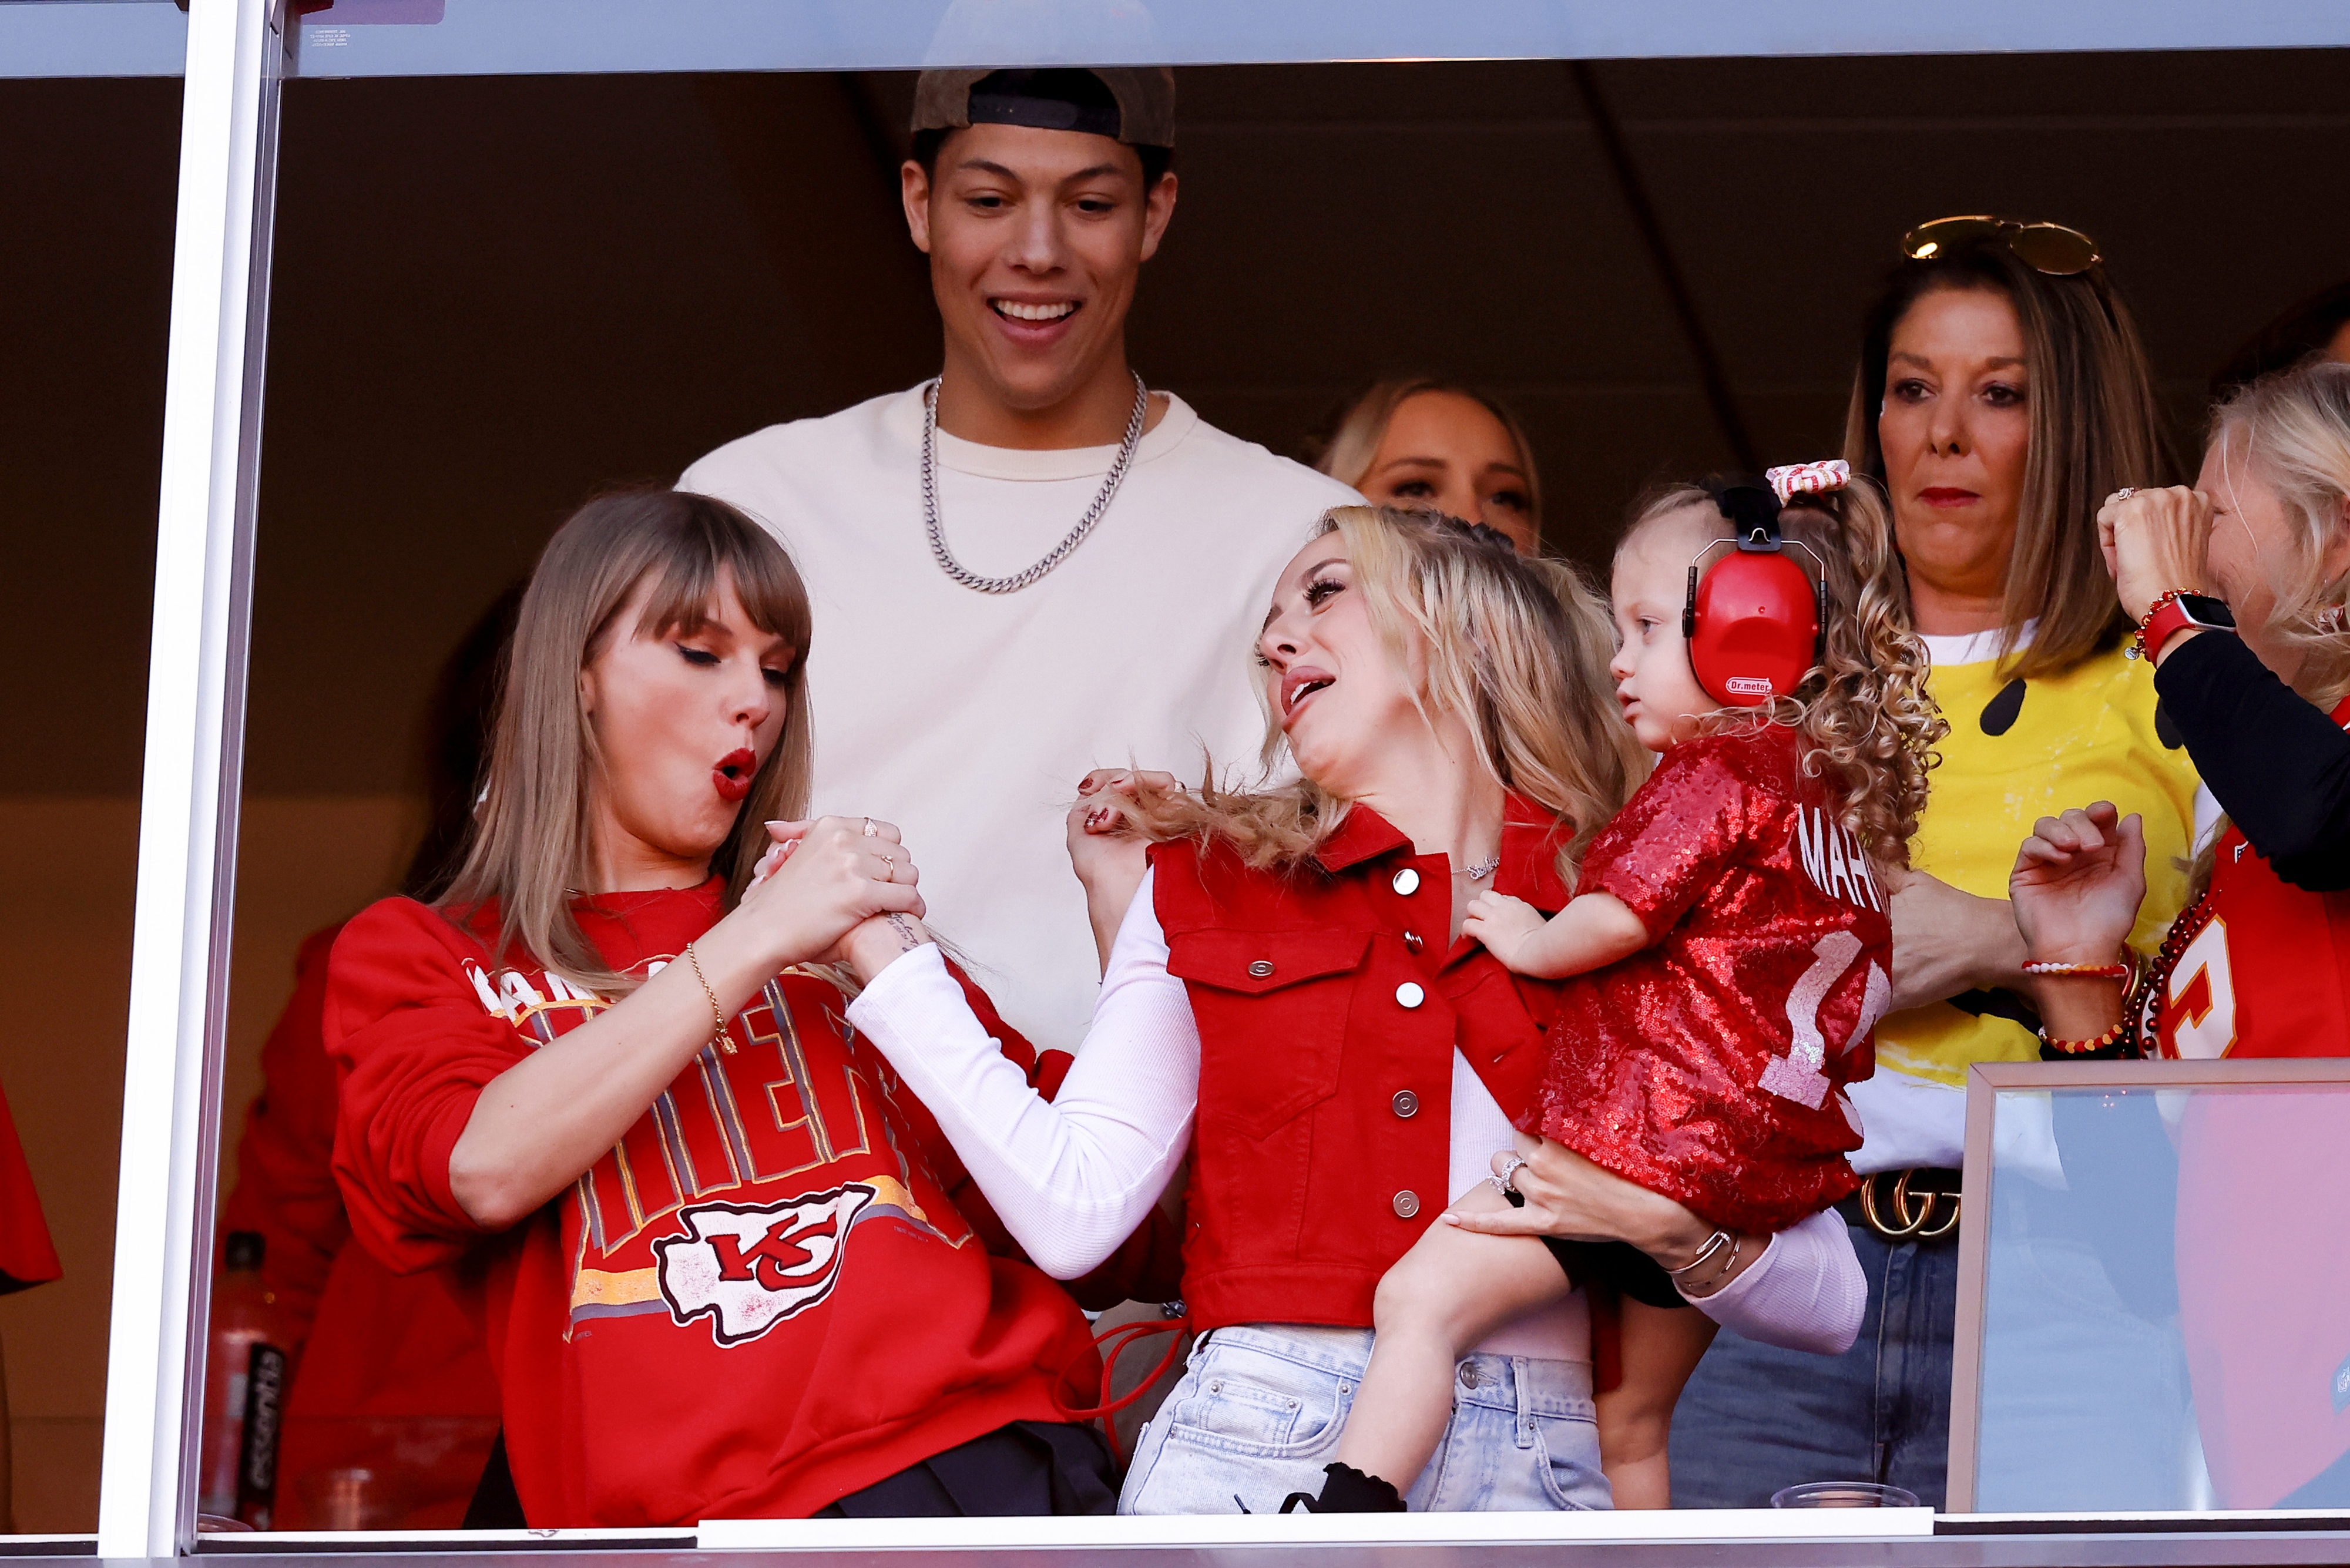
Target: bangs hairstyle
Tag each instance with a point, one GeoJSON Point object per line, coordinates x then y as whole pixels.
{"type": "Point", "coordinates": [1354, 435]}
{"type": "Point", "coordinates": [1517, 647]}
{"type": "Point", "coordinates": [2094, 429]}
{"type": "Point", "coordinates": [1862, 712]}
{"type": "Point", "coordinates": [533, 840]}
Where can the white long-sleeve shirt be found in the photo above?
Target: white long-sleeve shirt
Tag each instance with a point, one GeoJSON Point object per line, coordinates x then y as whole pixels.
{"type": "Point", "coordinates": [1072, 1177]}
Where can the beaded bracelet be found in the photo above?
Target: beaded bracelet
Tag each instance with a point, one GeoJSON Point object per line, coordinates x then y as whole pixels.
{"type": "Point", "coordinates": [2083, 970]}
{"type": "Point", "coordinates": [2110, 1038]}
{"type": "Point", "coordinates": [2137, 649]}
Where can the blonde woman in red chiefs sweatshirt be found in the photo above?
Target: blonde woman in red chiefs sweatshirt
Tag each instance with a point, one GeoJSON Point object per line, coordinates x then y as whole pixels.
{"type": "Point", "coordinates": [605, 1082]}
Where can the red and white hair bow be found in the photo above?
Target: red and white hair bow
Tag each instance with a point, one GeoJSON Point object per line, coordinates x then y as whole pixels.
{"type": "Point", "coordinates": [1809, 478]}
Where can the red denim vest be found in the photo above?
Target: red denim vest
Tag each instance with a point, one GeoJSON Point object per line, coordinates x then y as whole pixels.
{"type": "Point", "coordinates": [1328, 1008]}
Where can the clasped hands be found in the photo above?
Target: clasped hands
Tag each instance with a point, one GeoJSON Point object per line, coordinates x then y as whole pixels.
{"type": "Point", "coordinates": [836, 889]}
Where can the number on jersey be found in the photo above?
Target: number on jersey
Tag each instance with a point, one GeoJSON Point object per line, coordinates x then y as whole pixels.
{"type": "Point", "coordinates": [2202, 998]}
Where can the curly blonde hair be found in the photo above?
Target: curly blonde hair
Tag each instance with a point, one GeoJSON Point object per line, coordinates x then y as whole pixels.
{"type": "Point", "coordinates": [1515, 645]}
{"type": "Point", "coordinates": [1861, 711]}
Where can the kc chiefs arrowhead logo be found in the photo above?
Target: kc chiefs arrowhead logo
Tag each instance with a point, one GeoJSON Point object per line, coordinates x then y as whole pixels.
{"type": "Point", "coordinates": [752, 1268]}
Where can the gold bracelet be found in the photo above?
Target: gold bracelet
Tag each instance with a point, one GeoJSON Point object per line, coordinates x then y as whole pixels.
{"type": "Point", "coordinates": [723, 1041]}
{"type": "Point", "coordinates": [1719, 1277]}
{"type": "Point", "coordinates": [1713, 1244]}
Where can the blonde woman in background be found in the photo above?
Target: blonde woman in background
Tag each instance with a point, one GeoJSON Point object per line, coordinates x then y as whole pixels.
{"type": "Point", "coordinates": [1416, 440]}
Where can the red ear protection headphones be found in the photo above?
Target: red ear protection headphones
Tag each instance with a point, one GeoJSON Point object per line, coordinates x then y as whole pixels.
{"type": "Point", "coordinates": [1755, 622]}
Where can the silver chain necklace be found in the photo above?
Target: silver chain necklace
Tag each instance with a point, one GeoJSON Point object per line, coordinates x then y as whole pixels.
{"type": "Point", "coordinates": [1018, 580]}
{"type": "Point", "coordinates": [1482, 870]}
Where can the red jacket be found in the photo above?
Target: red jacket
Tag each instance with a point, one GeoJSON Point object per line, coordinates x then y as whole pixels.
{"type": "Point", "coordinates": [1328, 1009]}
{"type": "Point", "coordinates": [762, 1299]}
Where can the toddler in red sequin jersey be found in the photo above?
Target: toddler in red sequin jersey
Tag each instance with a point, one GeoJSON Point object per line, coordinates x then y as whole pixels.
{"type": "Point", "coordinates": [1725, 959]}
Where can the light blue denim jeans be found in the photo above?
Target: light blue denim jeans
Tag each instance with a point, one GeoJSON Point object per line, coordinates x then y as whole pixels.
{"type": "Point", "coordinates": [1258, 1412]}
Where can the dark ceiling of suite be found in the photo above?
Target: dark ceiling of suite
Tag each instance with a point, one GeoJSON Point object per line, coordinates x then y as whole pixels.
{"type": "Point", "coordinates": [493, 294]}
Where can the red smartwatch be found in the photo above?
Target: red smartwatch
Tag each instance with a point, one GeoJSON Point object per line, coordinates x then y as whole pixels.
{"type": "Point", "coordinates": [2176, 613]}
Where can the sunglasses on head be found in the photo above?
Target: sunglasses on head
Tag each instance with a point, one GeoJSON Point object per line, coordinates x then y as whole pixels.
{"type": "Point", "coordinates": [2051, 248]}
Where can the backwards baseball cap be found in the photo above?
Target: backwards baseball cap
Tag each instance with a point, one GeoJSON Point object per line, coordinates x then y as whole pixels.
{"type": "Point", "coordinates": [1133, 104]}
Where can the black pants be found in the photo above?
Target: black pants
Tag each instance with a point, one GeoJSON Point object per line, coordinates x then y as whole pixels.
{"type": "Point", "coordinates": [1025, 1469]}
{"type": "Point", "coordinates": [1618, 1263]}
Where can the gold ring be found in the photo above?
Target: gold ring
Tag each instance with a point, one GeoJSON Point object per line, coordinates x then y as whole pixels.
{"type": "Point", "coordinates": [891, 862]}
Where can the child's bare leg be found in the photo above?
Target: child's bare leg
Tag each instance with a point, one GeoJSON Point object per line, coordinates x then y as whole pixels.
{"type": "Point", "coordinates": [1452, 1290]}
{"type": "Point", "coordinates": [1661, 1348]}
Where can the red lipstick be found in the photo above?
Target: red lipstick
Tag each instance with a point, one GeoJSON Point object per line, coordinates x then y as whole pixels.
{"type": "Point", "coordinates": [1946, 496]}
{"type": "Point", "coordinates": [732, 777]}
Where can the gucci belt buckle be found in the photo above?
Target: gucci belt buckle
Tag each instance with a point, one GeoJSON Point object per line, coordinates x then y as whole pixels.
{"type": "Point", "coordinates": [1912, 1212]}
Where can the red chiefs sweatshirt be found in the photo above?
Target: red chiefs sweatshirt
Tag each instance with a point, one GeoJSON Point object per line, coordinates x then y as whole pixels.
{"type": "Point", "coordinates": [762, 1299]}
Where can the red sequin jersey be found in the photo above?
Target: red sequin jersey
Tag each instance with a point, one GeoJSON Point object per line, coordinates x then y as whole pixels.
{"type": "Point", "coordinates": [1708, 1066]}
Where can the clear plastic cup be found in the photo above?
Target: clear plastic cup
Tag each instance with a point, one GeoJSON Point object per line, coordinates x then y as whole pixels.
{"type": "Point", "coordinates": [1842, 1494]}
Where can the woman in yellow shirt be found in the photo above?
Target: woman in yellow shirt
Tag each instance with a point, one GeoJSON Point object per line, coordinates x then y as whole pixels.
{"type": "Point", "coordinates": [2001, 394]}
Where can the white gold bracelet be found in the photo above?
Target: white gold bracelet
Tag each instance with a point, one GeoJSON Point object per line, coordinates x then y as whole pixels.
{"type": "Point", "coordinates": [1713, 1244]}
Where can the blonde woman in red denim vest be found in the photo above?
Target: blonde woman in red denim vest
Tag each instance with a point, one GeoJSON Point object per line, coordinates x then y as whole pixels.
{"type": "Point", "coordinates": [1287, 1001]}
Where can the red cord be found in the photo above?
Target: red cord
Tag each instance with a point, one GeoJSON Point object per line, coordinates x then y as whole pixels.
{"type": "Point", "coordinates": [1126, 1335]}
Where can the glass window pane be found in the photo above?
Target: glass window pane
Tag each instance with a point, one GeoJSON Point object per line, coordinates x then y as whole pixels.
{"type": "Point", "coordinates": [87, 185]}
{"type": "Point", "coordinates": [433, 38]}
{"type": "Point", "coordinates": [494, 294]}
{"type": "Point", "coordinates": [92, 38]}
{"type": "Point", "coordinates": [2165, 1321]}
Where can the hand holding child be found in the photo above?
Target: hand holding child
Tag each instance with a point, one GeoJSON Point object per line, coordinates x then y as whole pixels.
{"type": "Point", "coordinates": [1503, 924]}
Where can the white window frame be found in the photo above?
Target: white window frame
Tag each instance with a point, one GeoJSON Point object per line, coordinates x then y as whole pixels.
{"type": "Point", "coordinates": [189, 788]}
{"type": "Point", "coordinates": [236, 53]}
